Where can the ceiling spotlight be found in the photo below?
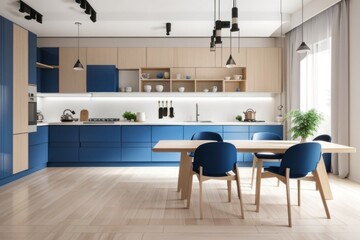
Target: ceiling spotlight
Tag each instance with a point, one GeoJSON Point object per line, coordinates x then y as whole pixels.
{"type": "Point", "coordinates": [32, 13]}
{"type": "Point", "coordinates": [93, 15]}
{"type": "Point", "coordinates": [83, 4]}
{"type": "Point", "coordinates": [88, 9]}
{"type": "Point", "coordinates": [234, 16]}
{"type": "Point", "coordinates": [78, 1]}
{"type": "Point", "coordinates": [168, 28]}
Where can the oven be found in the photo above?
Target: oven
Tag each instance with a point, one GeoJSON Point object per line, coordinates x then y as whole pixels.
{"type": "Point", "coordinates": [32, 107]}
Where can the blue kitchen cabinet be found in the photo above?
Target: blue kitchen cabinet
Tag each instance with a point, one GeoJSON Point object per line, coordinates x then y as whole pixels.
{"type": "Point", "coordinates": [190, 130]}
{"type": "Point", "coordinates": [64, 143]}
{"type": "Point", "coordinates": [166, 133]}
{"type": "Point", "coordinates": [237, 133]}
{"type": "Point", "coordinates": [48, 79]}
{"type": "Point", "coordinates": [136, 144]}
{"type": "Point", "coordinates": [100, 144]}
{"type": "Point", "coordinates": [32, 78]}
{"type": "Point", "coordinates": [6, 97]}
{"type": "Point", "coordinates": [38, 147]}
{"type": "Point", "coordinates": [102, 78]}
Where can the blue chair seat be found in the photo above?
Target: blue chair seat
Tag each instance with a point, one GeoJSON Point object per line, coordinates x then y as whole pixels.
{"type": "Point", "coordinates": [269, 155]}
{"type": "Point", "coordinates": [278, 171]}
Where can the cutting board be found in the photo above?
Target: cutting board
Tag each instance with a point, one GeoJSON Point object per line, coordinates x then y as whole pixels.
{"type": "Point", "coordinates": [84, 115]}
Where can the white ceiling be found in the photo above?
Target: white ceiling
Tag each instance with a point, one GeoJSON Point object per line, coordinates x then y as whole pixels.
{"type": "Point", "coordinates": [147, 18]}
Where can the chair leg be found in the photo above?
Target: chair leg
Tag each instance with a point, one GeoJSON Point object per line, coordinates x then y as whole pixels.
{"type": "Point", "coordinates": [229, 190]}
{"type": "Point", "coordinates": [239, 191]}
{"type": "Point", "coordinates": [253, 171]}
{"type": "Point", "coordinates": [288, 196]}
{"type": "Point", "coordinates": [189, 191]}
{"type": "Point", "coordinates": [200, 188]}
{"type": "Point", "coordinates": [298, 188]}
{"type": "Point", "coordinates": [316, 175]}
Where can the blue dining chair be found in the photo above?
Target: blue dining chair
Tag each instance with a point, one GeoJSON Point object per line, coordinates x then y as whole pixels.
{"type": "Point", "coordinates": [216, 160]}
{"type": "Point", "coordinates": [206, 136]}
{"type": "Point", "coordinates": [326, 156]}
{"type": "Point", "coordinates": [297, 162]}
{"type": "Point", "coordinates": [265, 156]}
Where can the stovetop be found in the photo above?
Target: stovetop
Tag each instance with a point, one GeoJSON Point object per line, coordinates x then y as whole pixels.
{"type": "Point", "coordinates": [253, 120]}
{"type": "Point", "coordinates": [104, 119]}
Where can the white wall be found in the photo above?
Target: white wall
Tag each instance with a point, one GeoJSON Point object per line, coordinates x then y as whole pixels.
{"type": "Point", "coordinates": [354, 30]}
{"type": "Point", "coordinates": [222, 109]}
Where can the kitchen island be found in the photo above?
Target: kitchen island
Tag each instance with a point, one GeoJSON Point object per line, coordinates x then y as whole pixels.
{"type": "Point", "coordinates": [130, 143]}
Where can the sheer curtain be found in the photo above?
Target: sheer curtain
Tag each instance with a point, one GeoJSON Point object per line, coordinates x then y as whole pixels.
{"type": "Point", "coordinates": [320, 79]}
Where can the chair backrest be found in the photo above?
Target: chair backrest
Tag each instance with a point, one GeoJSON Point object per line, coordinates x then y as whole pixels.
{"type": "Point", "coordinates": [326, 156]}
{"type": "Point", "coordinates": [207, 136]}
{"type": "Point", "coordinates": [324, 137]}
{"type": "Point", "coordinates": [301, 159]}
{"type": "Point", "coordinates": [265, 136]}
{"type": "Point", "coordinates": [216, 158]}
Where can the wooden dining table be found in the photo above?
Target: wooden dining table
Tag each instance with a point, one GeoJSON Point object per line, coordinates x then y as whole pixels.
{"type": "Point", "coordinates": [253, 146]}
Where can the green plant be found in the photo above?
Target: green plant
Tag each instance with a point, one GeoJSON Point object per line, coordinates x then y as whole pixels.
{"type": "Point", "coordinates": [129, 116]}
{"type": "Point", "coordinates": [304, 124]}
{"type": "Point", "coordinates": [238, 117]}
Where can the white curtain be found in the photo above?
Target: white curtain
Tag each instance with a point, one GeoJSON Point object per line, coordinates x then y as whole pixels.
{"type": "Point", "coordinates": [326, 33]}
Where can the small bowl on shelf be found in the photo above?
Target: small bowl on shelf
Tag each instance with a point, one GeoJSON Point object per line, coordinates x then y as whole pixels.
{"type": "Point", "coordinates": [238, 77]}
{"type": "Point", "coordinates": [159, 88]}
{"type": "Point", "coordinates": [227, 78]}
{"type": "Point", "coordinates": [181, 89]}
{"type": "Point", "coordinates": [206, 90]}
{"type": "Point", "coordinates": [160, 75]}
{"type": "Point", "coordinates": [147, 88]}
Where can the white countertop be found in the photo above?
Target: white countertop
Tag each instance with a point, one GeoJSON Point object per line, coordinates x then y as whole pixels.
{"type": "Point", "coordinates": [157, 123]}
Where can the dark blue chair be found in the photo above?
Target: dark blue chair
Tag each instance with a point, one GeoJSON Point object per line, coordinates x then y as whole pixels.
{"type": "Point", "coordinates": [297, 162]}
{"type": "Point", "coordinates": [206, 136]}
{"type": "Point", "coordinates": [265, 156]}
{"type": "Point", "coordinates": [216, 160]}
{"type": "Point", "coordinates": [326, 156]}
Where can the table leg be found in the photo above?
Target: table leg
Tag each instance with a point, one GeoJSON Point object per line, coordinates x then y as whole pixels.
{"type": "Point", "coordinates": [324, 180]}
{"type": "Point", "coordinates": [180, 176]}
{"type": "Point", "coordinates": [186, 171]}
{"type": "Point", "coordinates": [258, 184]}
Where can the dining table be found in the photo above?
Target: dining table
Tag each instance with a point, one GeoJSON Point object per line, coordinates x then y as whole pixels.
{"type": "Point", "coordinates": [252, 146]}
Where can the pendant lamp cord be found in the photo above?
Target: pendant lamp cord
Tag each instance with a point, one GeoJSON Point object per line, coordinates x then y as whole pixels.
{"type": "Point", "coordinates": [78, 40]}
{"type": "Point", "coordinates": [302, 20]}
{"type": "Point", "coordinates": [282, 54]}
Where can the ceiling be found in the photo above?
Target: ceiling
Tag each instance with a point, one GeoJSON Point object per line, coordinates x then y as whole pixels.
{"type": "Point", "coordinates": [147, 18]}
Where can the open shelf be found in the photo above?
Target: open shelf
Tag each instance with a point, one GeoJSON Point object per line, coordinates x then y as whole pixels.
{"type": "Point", "coordinates": [45, 66]}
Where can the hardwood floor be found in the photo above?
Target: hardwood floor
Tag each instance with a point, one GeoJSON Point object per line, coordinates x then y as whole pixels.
{"type": "Point", "coordinates": [141, 203]}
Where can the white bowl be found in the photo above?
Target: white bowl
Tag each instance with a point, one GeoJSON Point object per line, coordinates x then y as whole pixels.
{"type": "Point", "coordinates": [181, 89]}
{"type": "Point", "coordinates": [147, 88]}
{"type": "Point", "coordinates": [159, 88]}
{"type": "Point", "coordinates": [237, 77]}
{"type": "Point", "coordinates": [227, 78]}
{"type": "Point", "coordinates": [205, 90]}
{"type": "Point", "coordinates": [128, 89]}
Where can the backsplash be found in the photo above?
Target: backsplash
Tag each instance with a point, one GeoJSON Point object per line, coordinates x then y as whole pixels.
{"type": "Point", "coordinates": [219, 109]}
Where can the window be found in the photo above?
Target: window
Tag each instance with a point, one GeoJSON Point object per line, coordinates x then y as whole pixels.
{"type": "Point", "coordinates": [315, 82]}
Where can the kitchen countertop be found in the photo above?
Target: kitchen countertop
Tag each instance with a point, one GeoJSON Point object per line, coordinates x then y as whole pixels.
{"type": "Point", "coordinates": [156, 123]}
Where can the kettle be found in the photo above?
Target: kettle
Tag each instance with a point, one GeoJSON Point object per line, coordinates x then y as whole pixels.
{"type": "Point", "coordinates": [249, 115]}
{"type": "Point", "coordinates": [39, 117]}
{"type": "Point", "coordinates": [67, 117]}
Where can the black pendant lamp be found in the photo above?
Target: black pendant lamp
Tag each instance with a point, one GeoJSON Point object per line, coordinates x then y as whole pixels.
{"type": "Point", "coordinates": [230, 62]}
{"type": "Point", "coordinates": [303, 48]}
{"type": "Point", "coordinates": [78, 66]}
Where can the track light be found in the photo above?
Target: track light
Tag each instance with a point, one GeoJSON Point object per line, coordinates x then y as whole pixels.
{"type": "Point", "coordinates": [234, 16]}
{"type": "Point", "coordinates": [32, 13]}
{"type": "Point", "coordinates": [88, 9]}
{"type": "Point", "coordinates": [168, 28]}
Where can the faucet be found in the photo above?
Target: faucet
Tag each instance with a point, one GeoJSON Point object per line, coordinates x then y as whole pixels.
{"type": "Point", "coordinates": [197, 112]}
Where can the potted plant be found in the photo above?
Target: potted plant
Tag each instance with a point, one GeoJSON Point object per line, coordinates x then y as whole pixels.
{"type": "Point", "coordinates": [129, 116]}
{"type": "Point", "coordinates": [304, 124]}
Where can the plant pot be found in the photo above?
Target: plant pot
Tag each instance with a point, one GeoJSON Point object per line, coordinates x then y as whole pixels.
{"type": "Point", "coordinates": [303, 140]}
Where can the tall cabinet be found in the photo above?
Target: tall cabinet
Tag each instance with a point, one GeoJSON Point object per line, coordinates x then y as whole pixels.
{"type": "Point", "coordinates": [20, 99]}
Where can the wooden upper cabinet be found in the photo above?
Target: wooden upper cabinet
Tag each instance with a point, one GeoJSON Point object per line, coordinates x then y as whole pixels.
{"type": "Point", "coordinates": [20, 80]}
{"type": "Point", "coordinates": [159, 57]}
{"type": "Point", "coordinates": [70, 80]}
{"type": "Point", "coordinates": [263, 72]}
{"type": "Point", "coordinates": [205, 58]}
{"type": "Point", "coordinates": [131, 58]}
{"type": "Point", "coordinates": [184, 57]}
{"type": "Point", "coordinates": [101, 56]}
{"type": "Point", "coordinates": [239, 57]}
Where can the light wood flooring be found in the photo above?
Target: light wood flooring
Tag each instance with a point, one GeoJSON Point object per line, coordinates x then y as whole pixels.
{"type": "Point", "coordinates": [141, 203]}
